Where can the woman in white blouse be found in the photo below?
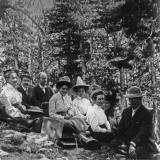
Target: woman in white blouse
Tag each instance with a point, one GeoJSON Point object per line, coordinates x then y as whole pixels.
{"type": "Point", "coordinates": [81, 105]}
{"type": "Point", "coordinates": [11, 98]}
{"type": "Point", "coordinates": [60, 104]}
{"type": "Point", "coordinates": [99, 125]}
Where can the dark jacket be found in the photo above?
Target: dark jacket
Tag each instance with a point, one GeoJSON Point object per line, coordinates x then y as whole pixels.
{"type": "Point", "coordinates": [40, 96]}
{"type": "Point", "coordinates": [27, 98]}
{"type": "Point", "coordinates": [137, 128]}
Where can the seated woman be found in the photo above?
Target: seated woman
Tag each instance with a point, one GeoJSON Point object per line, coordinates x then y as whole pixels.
{"type": "Point", "coordinates": [99, 125]}
{"type": "Point", "coordinates": [80, 103]}
{"type": "Point", "coordinates": [60, 104]}
{"type": "Point", "coordinates": [112, 111]}
{"type": "Point", "coordinates": [12, 99]}
{"type": "Point", "coordinates": [61, 107]}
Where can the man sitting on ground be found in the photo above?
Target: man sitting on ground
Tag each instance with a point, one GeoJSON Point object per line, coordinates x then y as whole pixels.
{"type": "Point", "coordinates": [135, 127]}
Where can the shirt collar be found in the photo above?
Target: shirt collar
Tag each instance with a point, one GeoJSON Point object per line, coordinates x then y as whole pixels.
{"type": "Point", "coordinates": [25, 89]}
{"type": "Point", "coordinates": [9, 86]}
{"type": "Point", "coordinates": [135, 110]}
{"type": "Point", "coordinates": [61, 94]}
{"type": "Point", "coordinates": [43, 87]}
{"type": "Point", "coordinates": [96, 106]}
{"type": "Point", "coordinates": [79, 98]}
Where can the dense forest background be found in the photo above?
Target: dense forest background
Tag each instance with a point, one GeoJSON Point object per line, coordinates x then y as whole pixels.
{"type": "Point", "coordinates": [114, 43]}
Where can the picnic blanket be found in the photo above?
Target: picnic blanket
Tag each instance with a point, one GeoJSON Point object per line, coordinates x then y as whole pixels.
{"type": "Point", "coordinates": [53, 127]}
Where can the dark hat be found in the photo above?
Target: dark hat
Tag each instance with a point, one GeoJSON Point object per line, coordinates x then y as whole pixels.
{"type": "Point", "coordinates": [80, 84]}
{"type": "Point", "coordinates": [134, 92]}
{"type": "Point", "coordinates": [63, 81]}
{"type": "Point", "coordinates": [97, 92]}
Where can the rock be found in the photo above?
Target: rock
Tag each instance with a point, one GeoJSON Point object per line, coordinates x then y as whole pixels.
{"type": "Point", "coordinates": [45, 158]}
{"type": "Point", "coordinates": [36, 138]}
{"type": "Point", "coordinates": [28, 149]}
{"type": "Point", "coordinates": [3, 153]}
{"type": "Point", "coordinates": [11, 148]}
{"type": "Point", "coordinates": [43, 150]}
{"type": "Point", "coordinates": [48, 143]}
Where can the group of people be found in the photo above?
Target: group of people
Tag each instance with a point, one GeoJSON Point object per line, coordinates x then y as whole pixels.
{"type": "Point", "coordinates": [91, 108]}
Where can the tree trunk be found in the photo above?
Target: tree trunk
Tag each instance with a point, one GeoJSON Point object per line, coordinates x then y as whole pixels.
{"type": "Point", "coordinates": [122, 83]}
{"type": "Point", "coordinates": [40, 54]}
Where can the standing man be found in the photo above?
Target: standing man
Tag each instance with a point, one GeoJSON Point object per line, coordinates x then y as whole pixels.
{"type": "Point", "coordinates": [41, 92]}
{"type": "Point", "coordinates": [135, 127]}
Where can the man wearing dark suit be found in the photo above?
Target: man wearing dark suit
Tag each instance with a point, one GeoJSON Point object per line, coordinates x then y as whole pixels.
{"type": "Point", "coordinates": [41, 92]}
{"type": "Point", "coordinates": [26, 90]}
{"type": "Point", "coordinates": [135, 127]}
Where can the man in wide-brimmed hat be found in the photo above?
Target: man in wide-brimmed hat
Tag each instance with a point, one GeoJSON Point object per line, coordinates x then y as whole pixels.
{"type": "Point", "coordinates": [80, 103]}
{"type": "Point", "coordinates": [135, 127]}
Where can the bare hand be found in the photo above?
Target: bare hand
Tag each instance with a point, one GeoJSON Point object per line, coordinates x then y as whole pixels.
{"type": "Point", "coordinates": [25, 116]}
{"type": "Point", "coordinates": [104, 130]}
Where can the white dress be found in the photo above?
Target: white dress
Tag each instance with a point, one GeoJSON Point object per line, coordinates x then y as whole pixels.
{"type": "Point", "coordinates": [81, 106]}
{"type": "Point", "coordinates": [96, 117]}
{"type": "Point", "coordinates": [10, 96]}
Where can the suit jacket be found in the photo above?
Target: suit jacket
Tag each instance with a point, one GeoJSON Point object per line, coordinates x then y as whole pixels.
{"type": "Point", "coordinates": [40, 96]}
{"type": "Point", "coordinates": [27, 99]}
{"type": "Point", "coordinates": [138, 128]}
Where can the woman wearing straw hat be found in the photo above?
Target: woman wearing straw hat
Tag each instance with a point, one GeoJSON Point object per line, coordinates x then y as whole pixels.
{"type": "Point", "coordinates": [99, 125]}
{"type": "Point", "coordinates": [60, 107]}
{"type": "Point", "coordinates": [80, 103]}
{"type": "Point", "coordinates": [60, 104]}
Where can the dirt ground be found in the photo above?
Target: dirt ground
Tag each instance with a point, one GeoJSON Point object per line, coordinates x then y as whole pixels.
{"type": "Point", "coordinates": [32, 146]}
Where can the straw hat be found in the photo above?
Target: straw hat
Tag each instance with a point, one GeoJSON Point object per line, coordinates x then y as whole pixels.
{"type": "Point", "coordinates": [79, 84]}
{"type": "Point", "coordinates": [63, 81]}
{"type": "Point", "coordinates": [134, 92]}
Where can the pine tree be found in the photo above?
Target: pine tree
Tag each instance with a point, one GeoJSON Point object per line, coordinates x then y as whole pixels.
{"type": "Point", "coordinates": [68, 39]}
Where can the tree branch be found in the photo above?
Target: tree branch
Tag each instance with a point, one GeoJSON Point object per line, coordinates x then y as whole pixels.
{"type": "Point", "coordinates": [25, 13]}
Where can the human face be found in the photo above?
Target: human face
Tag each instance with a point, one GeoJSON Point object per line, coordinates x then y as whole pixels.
{"type": "Point", "coordinates": [81, 92]}
{"type": "Point", "coordinates": [13, 79]}
{"type": "Point", "coordinates": [107, 105]}
{"type": "Point", "coordinates": [43, 79]}
{"type": "Point", "coordinates": [63, 90]}
{"type": "Point", "coordinates": [135, 102]}
{"type": "Point", "coordinates": [26, 82]}
{"type": "Point", "coordinates": [99, 100]}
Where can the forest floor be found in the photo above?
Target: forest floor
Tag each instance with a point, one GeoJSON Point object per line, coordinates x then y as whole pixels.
{"type": "Point", "coordinates": [15, 145]}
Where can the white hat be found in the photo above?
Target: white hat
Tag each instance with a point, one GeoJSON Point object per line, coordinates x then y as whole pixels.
{"type": "Point", "coordinates": [79, 84]}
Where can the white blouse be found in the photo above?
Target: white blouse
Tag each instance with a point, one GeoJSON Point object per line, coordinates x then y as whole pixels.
{"type": "Point", "coordinates": [59, 103]}
{"type": "Point", "coordinates": [97, 117]}
{"type": "Point", "coordinates": [10, 96]}
{"type": "Point", "coordinates": [81, 106]}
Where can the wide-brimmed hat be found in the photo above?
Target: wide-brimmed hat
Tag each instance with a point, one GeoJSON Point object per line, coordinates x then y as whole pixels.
{"type": "Point", "coordinates": [79, 84]}
{"type": "Point", "coordinates": [34, 109]}
{"type": "Point", "coordinates": [133, 92]}
{"type": "Point", "coordinates": [63, 81]}
{"type": "Point", "coordinates": [96, 92]}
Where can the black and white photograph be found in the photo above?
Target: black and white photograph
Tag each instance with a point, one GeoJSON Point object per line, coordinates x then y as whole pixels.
{"type": "Point", "coordinates": [79, 80]}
